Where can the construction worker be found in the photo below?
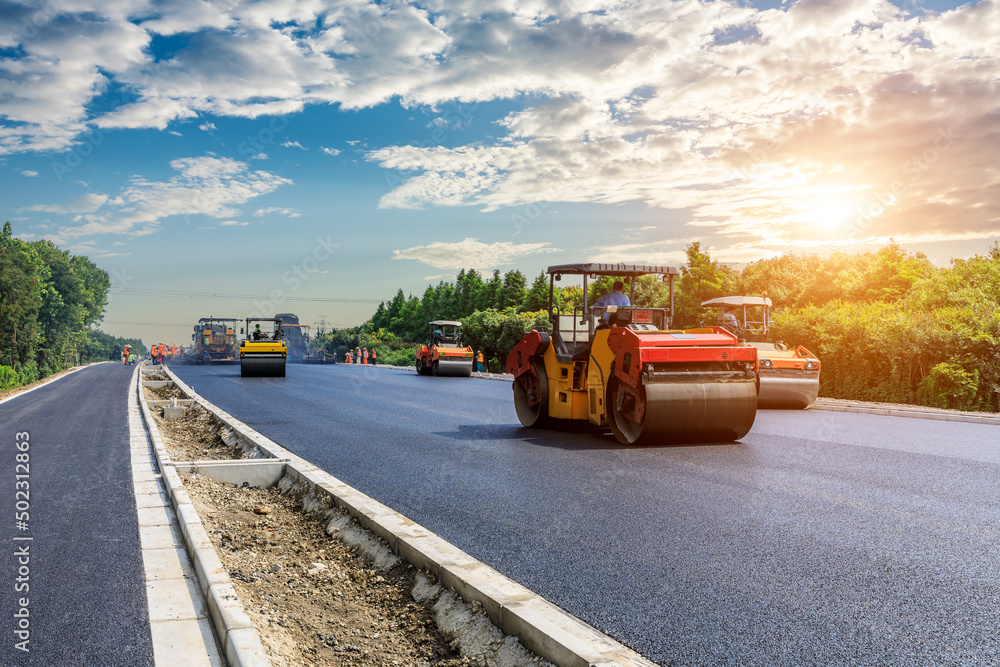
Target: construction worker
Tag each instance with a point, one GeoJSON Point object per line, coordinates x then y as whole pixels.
{"type": "Point", "coordinates": [163, 351]}
{"type": "Point", "coordinates": [357, 355]}
{"type": "Point", "coordinates": [364, 356]}
{"type": "Point", "coordinates": [374, 357]}
{"type": "Point", "coordinates": [479, 361]}
{"type": "Point", "coordinates": [125, 353]}
{"type": "Point", "coordinates": [347, 357]}
{"type": "Point", "coordinates": [257, 333]}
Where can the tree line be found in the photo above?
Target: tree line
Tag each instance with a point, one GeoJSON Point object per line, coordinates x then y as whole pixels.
{"type": "Point", "coordinates": [49, 298]}
{"type": "Point", "coordinates": [887, 325]}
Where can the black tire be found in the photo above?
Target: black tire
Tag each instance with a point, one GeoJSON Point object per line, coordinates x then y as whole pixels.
{"type": "Point", "coordinates": [434, 368]}
{"type": "Point", "coordinates": [533, 416]}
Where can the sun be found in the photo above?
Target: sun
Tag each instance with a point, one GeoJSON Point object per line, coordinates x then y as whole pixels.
{"type": "Point", "coordinates": [833, 209]}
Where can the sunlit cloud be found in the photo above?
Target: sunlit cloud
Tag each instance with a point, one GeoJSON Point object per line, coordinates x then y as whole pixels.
{"type": "Point", "coordinates": [815, 122]}
{"type": "Point", "coordinates": [471, 253]}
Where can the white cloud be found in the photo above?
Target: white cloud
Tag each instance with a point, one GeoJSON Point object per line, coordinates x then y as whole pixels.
{"type": "Point", "coordinates": [744, 118]}
{"type": "Point", "coordinates": [333, 152]}
{"type": "Point", "coordinates": [207, 127]}
{"type": "Point", "coordinates": [29, 173]}
{"type": "Point", "coordinates": [294, 144]}
{"type": "Point", "coordinates": [86, 204]}
{"type": "Point", "coordinates": [471, 253]}
{"type": "Point", "coordinates": [287, 212]}
{"type": "Point", "coordinates": [204, 186]}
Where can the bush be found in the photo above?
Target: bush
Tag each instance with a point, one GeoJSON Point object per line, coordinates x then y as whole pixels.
{"type": "Point", "coordinates": [9, 379]}
{"type": "Point", "coordinates": [949, 385]}
{"type": "Point", "coordinates": [28, 373]}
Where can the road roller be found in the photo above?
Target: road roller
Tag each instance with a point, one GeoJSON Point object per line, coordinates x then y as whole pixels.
{"type": "Point", "coordinates": [444, 354]}
{"type": "Point", "coordinates": [625, 368]}
{"type": "Point", "coordinates": [264, 351]}
{"type": "Point", "coordinates": [789, 378]}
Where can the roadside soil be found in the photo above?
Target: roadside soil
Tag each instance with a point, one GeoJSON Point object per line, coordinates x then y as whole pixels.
{"type": "Point", "coordinates": [313, 599]}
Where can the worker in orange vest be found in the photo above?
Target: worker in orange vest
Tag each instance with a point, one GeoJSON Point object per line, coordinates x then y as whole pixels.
{"type": "Point", "coordinates": [125, 353]}
{"type": "Point", "coordinates": [374, 357]}
{"type": "Point", "coordinates": [364, 356]}
{"type": "Point", "coordinates": [479, 361]}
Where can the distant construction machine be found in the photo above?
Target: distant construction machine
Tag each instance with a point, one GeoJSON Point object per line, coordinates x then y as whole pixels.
{"type": "Point", "coordinates": [444, 354]}
{"type": "Point", "coordinates": [296, 335]}
{"type": "Point", "coordinates": [625, 368]}
{"type": "Point", "coordinates": [263, 352]}
{"type": "Point", "coordinates": [214, 341]}
{"type": "Point", "coordinates": [788, 378]}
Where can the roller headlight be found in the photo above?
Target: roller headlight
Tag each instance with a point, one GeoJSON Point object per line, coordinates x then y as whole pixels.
{"type": "Point", "coordinates": [812, 365]}
{"type": "Point", "coordinates": [766, 363]}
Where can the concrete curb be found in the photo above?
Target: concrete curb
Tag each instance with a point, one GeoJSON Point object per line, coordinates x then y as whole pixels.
{"type": "Point", "coordinates": [541, 626]}
{"type": "Point", "coordinates": [239, 639]}
{"type": "Point", "coordinates": [910, 412]}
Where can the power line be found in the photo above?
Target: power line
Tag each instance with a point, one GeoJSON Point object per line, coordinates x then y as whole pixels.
{"type": "Point", "coordinates": [172, 324]}
{"type": "Point", "coordinates": [139, 291]}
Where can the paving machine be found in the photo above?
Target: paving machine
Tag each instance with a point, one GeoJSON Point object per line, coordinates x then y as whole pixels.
{"type": "Point", "coordinates": [444, 353]}
{"type": "Point", "coordinates": [625, 368]}
{"type": "Point", "coordinates": [214, 340]}
{"type": "Point", "coordinates": [263, 352]}
{"type": "Point", "coordinates": [788, 378]}
{"type": "Point", "coordinates": [296, 335]}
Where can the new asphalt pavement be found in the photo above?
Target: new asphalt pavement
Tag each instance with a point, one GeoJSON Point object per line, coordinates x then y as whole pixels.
{"type": "Point", "coordinates": [820, 538]}
{"type": "Point", "coordinates": [72, 586]}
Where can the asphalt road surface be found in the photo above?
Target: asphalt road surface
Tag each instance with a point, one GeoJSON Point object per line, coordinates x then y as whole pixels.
{"type": "Point", "coordinates": [84, 580]}
{"type": "Point", "coordinates": [820, 538]}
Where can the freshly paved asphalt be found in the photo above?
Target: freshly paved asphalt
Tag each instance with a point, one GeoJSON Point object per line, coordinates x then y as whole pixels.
{"type": "Point", "coordinates": [821, 538]}
{"type": "Point", "coordinates": [87, 594]}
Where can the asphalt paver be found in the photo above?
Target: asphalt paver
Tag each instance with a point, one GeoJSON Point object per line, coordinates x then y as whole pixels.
{"type": "Point", "coordinates": [81, 581]}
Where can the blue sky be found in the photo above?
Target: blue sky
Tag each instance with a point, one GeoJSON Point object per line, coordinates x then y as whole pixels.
{"type": "Point", "coordinates": [318, 149]}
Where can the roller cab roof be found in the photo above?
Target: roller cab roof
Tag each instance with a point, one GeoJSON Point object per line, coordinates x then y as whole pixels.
{"type": "Point", "coordinates": [631, 270]}
{"type": "Point", "coordinates": [446, 322]}
{"type": "Point", "coordinates": [738, 301]}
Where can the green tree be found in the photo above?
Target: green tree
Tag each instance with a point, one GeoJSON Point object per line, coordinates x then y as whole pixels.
{"type": "Point", "coordinates": [537, 297]}
{"type": "Point", "coordinates": [702, 278]}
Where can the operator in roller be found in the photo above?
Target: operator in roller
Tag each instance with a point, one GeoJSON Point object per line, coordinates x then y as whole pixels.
{"type": "Point", "coordinates": [613, 298]}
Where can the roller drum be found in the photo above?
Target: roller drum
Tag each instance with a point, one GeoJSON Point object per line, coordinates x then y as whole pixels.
{"type": "Point", "coordinates": [787, 392]}
{"type": "Point", "coordinates": [261, 366]}
{"type": "Point", "coordinates": [452, 368]}
{"type": "Point", "coordinates": [688, 412]}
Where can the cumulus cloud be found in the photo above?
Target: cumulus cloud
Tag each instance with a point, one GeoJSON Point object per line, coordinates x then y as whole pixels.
{"type": "Point", "coordinates": [471, 253]}
{"type": "Point", "coordinates": [287, 212]}
{"type": "Point", "coordinates": [797, 125]}
{"type": "Point", "coordinates": [207, 186]}
{"type": "Point", "coordinates": [333, 152]}
{"type": "Point", "coordinates": [29, 173]}
{"type": "Point", "coordinates": [294, 144]}
{"type": "Point", "coordinates": [86, 204]}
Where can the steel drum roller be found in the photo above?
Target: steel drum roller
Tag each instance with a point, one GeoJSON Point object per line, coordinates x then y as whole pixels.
{"type": "Point", "coordinates": [688, 412]}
